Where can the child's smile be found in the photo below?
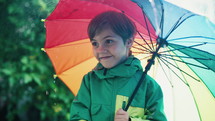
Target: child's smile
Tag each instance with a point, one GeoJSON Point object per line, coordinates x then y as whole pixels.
{"type": "Point", "coordinates": [104, 58]}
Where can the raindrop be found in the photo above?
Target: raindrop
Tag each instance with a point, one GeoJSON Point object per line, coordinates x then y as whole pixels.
{"type": "Point", "coordinates": [54, 81]}
{"type": "Point", "coordinates": [32, 25]}
{"type": "Point", "coordinates": [47, 93]}
{"type": "Point", "coordinates": [26, 4]}
{"type": "Point", "coordinates": [21, 81]}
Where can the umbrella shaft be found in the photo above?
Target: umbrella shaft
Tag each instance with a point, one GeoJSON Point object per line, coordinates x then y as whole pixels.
{"type": "Point", "coordinates": [147, 68]}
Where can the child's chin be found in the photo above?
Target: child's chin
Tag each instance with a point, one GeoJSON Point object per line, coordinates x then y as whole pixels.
{"type": "Point", "coordinates": [108, 66]}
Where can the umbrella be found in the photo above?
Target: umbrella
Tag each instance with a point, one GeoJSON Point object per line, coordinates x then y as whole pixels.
{"type": "Point", "coordinates": [177, 43]}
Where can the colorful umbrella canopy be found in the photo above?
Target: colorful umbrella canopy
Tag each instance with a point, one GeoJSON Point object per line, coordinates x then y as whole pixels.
{"type": "Point", "coordinates": [180, 42]}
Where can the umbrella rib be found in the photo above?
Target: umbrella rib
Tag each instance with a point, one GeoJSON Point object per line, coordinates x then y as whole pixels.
{"type": "Point", "coordinates": [173, 71]}
{"type": "Point", "coordinates": [161, 24]}
{"type": "Point", "coordinates": [178, 23]}
{"type": "Point", "coordinates": [187, 63]}
{"type": "Point", "coordinates": [150, 49]}
{"type": "Point", "coordinates": [165, 72]}
{"type": "Point", "coordinates": [181, 70]}
{"type": "Point", "coordinates": [147, 30]}
{"type": "Point", "coordinates": [140, 49]}
{"type": "Point", "coordinates": [162, 20]}
{"type": "Point", "coordinates": [145, 57]}
{"type": "Point", "coordinates": [184, 47]}
{"type": "Point", "coordinates": [140, 52]}
{"type": "Point", "coordinates": [147, 49]}
{"type": "Point", "coordinates": [186, 57]}
{"type": "Point", "coordinates": [192, 37]}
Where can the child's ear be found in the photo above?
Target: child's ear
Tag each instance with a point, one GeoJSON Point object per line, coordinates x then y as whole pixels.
{"type": "Point", "coordinates": [130, 42]}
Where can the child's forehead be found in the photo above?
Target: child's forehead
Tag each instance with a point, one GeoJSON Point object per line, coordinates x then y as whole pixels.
{"type": "Point", "coordinates": [105, 33]}
{"type": "Point", "coordinates": [106, 28]}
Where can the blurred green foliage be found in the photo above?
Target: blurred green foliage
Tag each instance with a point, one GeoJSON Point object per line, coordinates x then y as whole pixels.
{"type": "Point", "coordinates": [28, 91]}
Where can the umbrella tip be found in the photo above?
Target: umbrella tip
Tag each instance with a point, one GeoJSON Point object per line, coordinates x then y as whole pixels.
{"type": "Point", "coordinates": [55, 76]}
{"type": "Point", "coordinates": [43, 20]}
{"type": "Point", "coordinates": [43, 49]}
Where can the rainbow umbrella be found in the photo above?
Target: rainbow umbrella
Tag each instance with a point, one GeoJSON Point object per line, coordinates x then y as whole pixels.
{"type": "Point", "coordinates": [175, 45]}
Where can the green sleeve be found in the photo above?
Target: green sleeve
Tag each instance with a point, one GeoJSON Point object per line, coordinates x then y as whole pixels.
{"type": "Point", "coordinates": [154, 110]}
{"type": "Point", "coordinates": [154, 102]}
{"type": "Point", "coordinates": [81, 104]}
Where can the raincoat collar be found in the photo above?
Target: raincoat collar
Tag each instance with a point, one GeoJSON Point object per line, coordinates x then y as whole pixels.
{"type": "Point", "coordinates": [126, 69]}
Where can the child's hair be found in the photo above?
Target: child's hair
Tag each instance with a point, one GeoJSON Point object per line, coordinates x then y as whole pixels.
{"type": "Point", "coordinates": [118, 22]}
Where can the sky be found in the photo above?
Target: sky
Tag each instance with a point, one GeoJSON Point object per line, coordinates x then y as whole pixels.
{"type": "Point", "coordinates": [202, 7]}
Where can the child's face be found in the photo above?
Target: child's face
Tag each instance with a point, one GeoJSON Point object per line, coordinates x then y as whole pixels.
{"type": "Point", "coordinates": [109, 48]}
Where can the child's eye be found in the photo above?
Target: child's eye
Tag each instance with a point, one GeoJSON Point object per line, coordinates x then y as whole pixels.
{"type": "Point", "coordinates": [109, 41]}
{"type": "Point", "coordinates": [94, 44]}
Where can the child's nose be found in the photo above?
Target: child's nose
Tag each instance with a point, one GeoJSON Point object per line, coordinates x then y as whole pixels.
{"type": "Point", "coordinates": [101, 48]}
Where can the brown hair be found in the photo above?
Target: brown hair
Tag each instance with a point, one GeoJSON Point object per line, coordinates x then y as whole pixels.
{"type": "Point", "coordinates": [118, 22]}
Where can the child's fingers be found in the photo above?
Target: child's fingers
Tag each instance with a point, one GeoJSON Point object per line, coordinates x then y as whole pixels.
{"type": "Point", "coordinates": [121, 111]}
{"type": "Point", "coordinates": [121, 115]}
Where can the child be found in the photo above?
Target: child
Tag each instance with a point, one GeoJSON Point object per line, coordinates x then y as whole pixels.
{"type": "Point", "coordinates": [105, 90]}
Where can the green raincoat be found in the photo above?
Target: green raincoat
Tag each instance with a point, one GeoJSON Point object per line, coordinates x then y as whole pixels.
{"type": "Point", "coordinates": [104, 91]}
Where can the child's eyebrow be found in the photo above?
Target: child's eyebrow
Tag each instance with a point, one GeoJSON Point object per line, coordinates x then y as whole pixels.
{"type": "Point", "coordinates": [102, 38]}
{"type": "Point", "coordinates": [107, 36]}
{"type": "Point", "coordinates": [93, 40]}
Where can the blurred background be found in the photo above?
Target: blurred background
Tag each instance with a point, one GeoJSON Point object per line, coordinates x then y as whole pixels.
{"type": "Point", "coordinates": [28, 91]}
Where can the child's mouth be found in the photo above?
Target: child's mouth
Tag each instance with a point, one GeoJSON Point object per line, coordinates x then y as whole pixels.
{"type": "Point", "coordinates": [104, 58]}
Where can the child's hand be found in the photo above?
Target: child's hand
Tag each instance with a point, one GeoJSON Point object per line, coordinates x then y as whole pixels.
{"type": "Point", "coordinates": [121, 115]}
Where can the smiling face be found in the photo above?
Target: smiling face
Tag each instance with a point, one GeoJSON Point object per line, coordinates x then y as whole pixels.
{"type": "Point", "coordinates": [109, 48]}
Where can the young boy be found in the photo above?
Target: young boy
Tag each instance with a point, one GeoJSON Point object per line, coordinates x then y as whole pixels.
{"type": "Point", "coordinates": [105, 90]}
